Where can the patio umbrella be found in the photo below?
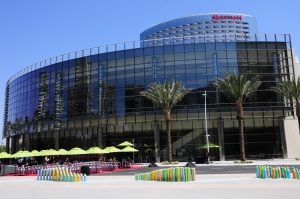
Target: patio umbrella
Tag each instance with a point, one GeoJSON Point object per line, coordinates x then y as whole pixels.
{"type": "Point", "coordinates": [96, 150]}
{"type": "Point", "coordinates": [211, 145]}
{"type": "Point", "coordinates": [48, 152]}
{"type": "Point", "coordinates": [129, 149]}
{"type": "Point", "coordinates": [21, 154]}
{"type": "Point", "coordinates": [112, 149]}
{"type": "Point", "coordinates": [126, 143]}
{"type": "Point", "coordinates": [35, 153]}
{"type": "Point", "coordinates": [4, 155]}
{"type": "Point", "coordinates": [62, 152]}
{"type": "Point", "coordinates": [76, 151]}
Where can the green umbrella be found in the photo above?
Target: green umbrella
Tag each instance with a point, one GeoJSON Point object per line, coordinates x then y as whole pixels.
{"type": "Point", "coordinates": [62, 152]}
{"type": "Point", "coordinates": [21, 154]}
{"type": "Point", "coordinates": [112, 149]}
{"type": "Point", "coordinates": [35, 153]}
{"type": "Point", "coordinates": [43, 152]}
{"type": "Point", "coordinates": [96, 150]}
{"type": "Point", "coordinates": [4, 155]}
{"type": "Point", "coordinates": [126, 143]}
{"type": "Point", "coordinates": [48, 152]}
{"type": "Point", "coordinates": [76, 151]}
{"type": "Point", "coordinates": [211, 145]}
{"type": "Point", "coordinates": [129, 149]}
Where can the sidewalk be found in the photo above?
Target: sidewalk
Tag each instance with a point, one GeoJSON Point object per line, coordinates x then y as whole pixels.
{"type": "Point", "coordinates": [231, 163]}
{"type": "Point", "coordinates": [225, 186]}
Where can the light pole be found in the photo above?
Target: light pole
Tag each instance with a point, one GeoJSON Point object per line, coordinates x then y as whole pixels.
{"type": "Point", "coordinates": [205, 118]}
{"type": "Point", "coordinates": [133, 152]}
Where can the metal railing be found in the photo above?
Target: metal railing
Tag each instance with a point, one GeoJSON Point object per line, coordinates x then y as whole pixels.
{"type": "Point", "coordinates": [94, 166]}
{"type": "Point", "coordinates": [153, 43]}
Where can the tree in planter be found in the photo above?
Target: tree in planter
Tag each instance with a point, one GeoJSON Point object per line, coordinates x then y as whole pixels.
{"type": "Point", "coordinates": [27, 124]}
{"type": "Point", "coordinates": [291, 91]}
{"type": "Point", "coordinates": [238, 87]}
{"type": "Point", "coordinates": [2, 148]}
{"type": "Point", "coordinates": [166, 95]}
{"type": "Point", "coordinates": [18, 125]}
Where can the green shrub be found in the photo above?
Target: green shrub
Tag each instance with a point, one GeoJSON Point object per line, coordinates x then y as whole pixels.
{"type": "Point", "coordinates": [243, 162]}
{"type": "Point", "coordinates": [2, 148]}
{"type": "Point", "coordinates": [168, 163]}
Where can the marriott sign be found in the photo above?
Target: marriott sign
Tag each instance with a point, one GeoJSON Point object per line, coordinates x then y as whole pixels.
{"type": "Point", "coordinates": [227, 17]}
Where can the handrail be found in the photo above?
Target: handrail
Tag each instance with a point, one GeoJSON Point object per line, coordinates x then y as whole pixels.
{"type": "Point", "coordinates": [151, 43]}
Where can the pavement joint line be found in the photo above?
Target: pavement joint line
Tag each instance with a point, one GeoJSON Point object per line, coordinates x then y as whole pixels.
{"type": "Point", "coordinates": [108, 181]}
{"type": "Point", "coordinates": [8, 181]}
{"type": "Point", "coordinates": [101, 181]}
{"type": "Point", "coordinates": [129, 180]}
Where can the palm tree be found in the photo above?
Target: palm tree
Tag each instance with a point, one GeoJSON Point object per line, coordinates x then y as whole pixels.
{"type": "Point", "coordinates": [2, 148]}
{"type": "Point", "coordinates": [27, 124]}
{"type": "Point", "coordinates": [166, 95]}
{"type": "Point", "coordinates": [18, 124]}
{"type": "Point", "coordinates": [238, 87]}
{"type": "Point", "coordinates": [290, 90]}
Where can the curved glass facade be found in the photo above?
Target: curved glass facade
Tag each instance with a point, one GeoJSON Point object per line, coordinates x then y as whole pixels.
{"type": "Point", "coordinates": [91, 97]}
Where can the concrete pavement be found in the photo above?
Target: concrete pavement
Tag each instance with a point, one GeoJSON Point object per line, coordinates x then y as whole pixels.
{"type": "Point", "coordinates": [254, 162]}
{"type": "Point", "coordinates": [207, 169]}
{"type": "Point", "coordinates": [223, 186]}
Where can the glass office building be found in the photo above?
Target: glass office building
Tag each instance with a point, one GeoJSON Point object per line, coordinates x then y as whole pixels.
{"type": "Point", "coordinates": [214, 24]}
{"type": "Point", "coordinates": [91, 97]}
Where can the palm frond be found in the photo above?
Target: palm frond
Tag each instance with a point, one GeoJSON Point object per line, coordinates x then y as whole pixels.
{"type": "Point", "coordinates": [289, 89]}
{"type": "Point", "coordinates": [237, 86]}
{"type": "Point", "coordinates": [165, 95]}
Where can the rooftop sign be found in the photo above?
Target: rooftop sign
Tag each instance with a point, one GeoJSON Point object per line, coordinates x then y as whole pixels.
{"type": "Point", "coordinates": [227, 17]}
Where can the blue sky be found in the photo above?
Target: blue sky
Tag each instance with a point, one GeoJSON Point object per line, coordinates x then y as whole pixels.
{"type": "Point", "coordinates": [34, 30]}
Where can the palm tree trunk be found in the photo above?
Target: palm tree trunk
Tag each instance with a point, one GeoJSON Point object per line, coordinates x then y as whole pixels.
{"type": "Point", "coordinates": [168, 128]}
{"type": "Point", "coordinates": [240, 118]}
{"type": "Point", "coordinates": [298, 113]}
{"type": "Point", "coordinates": [56, 139]}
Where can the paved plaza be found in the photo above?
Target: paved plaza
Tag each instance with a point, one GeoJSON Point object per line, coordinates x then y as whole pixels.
{"type": "Point", "coordinates": [200, 169]}
{"type": "Point", "coordinates": [113, 187]}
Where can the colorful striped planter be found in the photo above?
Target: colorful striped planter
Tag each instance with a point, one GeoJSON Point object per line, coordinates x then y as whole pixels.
{"type": "Point", "coordinates": [174, 174]}
{"type": "Point", "coordinates": [60, 175]}
{"type": "Point", "coordinates": [276, 172]}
